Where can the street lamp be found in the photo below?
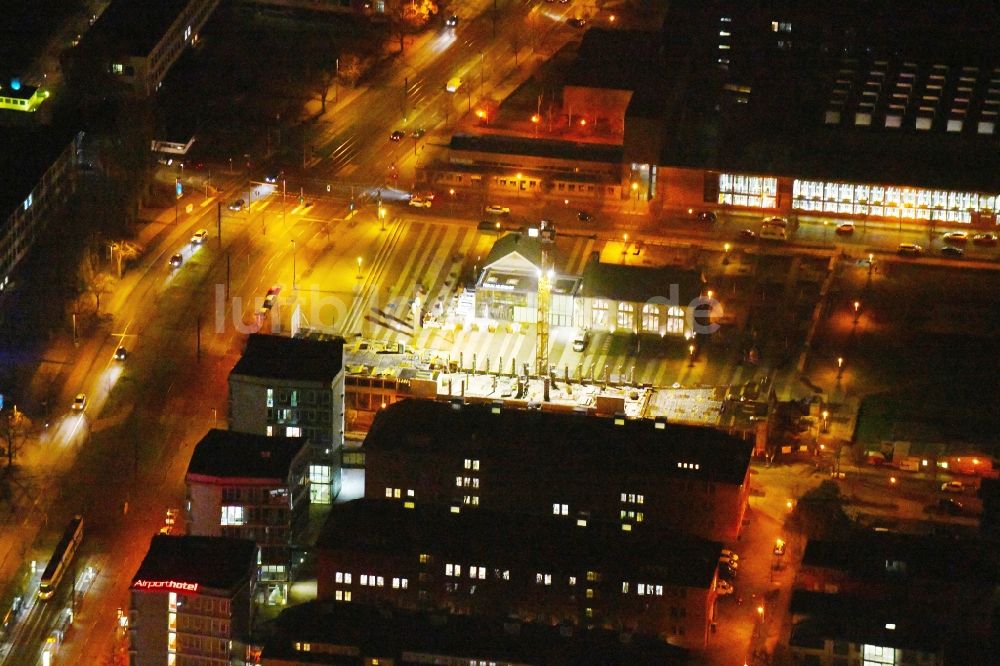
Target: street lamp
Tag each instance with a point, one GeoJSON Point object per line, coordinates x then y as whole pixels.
{"type": "Point", "coordinates": [359, 268]}
{"type": "Point", "coordinates": [826, 421]}
{"type": "Point", "coordinates": [725, 258]}
{"type": "Point", "coordinates": [625, 248]}
{"type": "Point", "coordinates": [857, 311]}
{"type": "Point", "coordinates": [635, 194]}
{"type": "Point", "coordinates": [519, 184]}
{"type": "Point", "coordinates": [690, 356]}
{"type": "Point", "coordinates": [381, 217]}
{"type": "Point", "coordinates": [535, 119]}
{"type": "Point", "coordinates": [840, 366]}
{"type": "Point", "coordinates": [871, 265]}
{"type": "Point", "coordinates": [293, 264]}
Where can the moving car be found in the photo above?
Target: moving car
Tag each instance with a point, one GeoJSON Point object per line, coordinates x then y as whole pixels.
{"type": "Point", "coordinates": [397, 135]}
{"type": "Point", "coordinates": [577, 22]}
{"type": "Point", "coordinates": [584, 216]}
{"type": "Point", "coordinates": [845, 228]}
{"type": "Point", "coordinates": [779, 547]}
{"type": "Point", "coordinates": [580, 340]}
{"type": "Point", "coordinates": [488, 225]}
{"type": "Point", "coordinates": [950, 251]}
{"type": "Point", "coordinates": [79, 402]}
{"type": "Point", "coordinates": [984, 239]}
{"type": "Point", "coordinates": [498, 210]}
{"type": "Point", "coordinates": [451, 21]}
{"type": "Point", "coordinates": [420, 202]}
{"type": "Point", "coordinates": [271, 178]}
{"type": "Point", "coordinates": [909, 250]}
{"type": "Point", "coordinates": [958, 237]}
{"type": "Point", "coordinates": [238, 205]}
{"type": "Point", "coordinates": [419, 132]}
{"type": "Point", "coordinates": [199, 236]}
{"type": "Point", "coordinates": [176, 260]}
{"type": "Point", "coordinates": [121, 353]}
{"type": "Point", "coordinates": [454, 83]}
{"type": "Point", "coordinates": [271, 297]}
{"type": "Point", "coordinates": [706, 217]}
{"type": "Point", "coordinates": [953, 487]}
{"type": "Point", "coordinates": [748, 234]}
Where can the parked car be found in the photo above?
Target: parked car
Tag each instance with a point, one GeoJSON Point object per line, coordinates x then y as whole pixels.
{"type": "Point", "coordinates": [199, 236]}
{"type": "Point", "coordinates": [397, 135]}
{"type": "Point", "coordinates": [723, 587]}
{"type": "Point", "coordinates": [953, 487]}
{"type": "Point", "coordinates": [845, 228]}
{"type": "Point", "coordinates": [707, 217]}
{"type": "Point", "coordinates": [957, 237]}
{"type": "Point", "coordinates": [581, 339]}
{"type": "Point", "coordinates": [726, 572]}
{"type": "Point", "coordinates": [730, 554]}
{"type": "Point", "coordinates": [748, 234]}
{"type": "Point", "coordinates": [79, 402]}
{"type": "Point", "coordinates": [951, 251]}
{"type": "Point", "coordinates": [984, 239]}
{"type": "Point", "coordinates": [489, 225]}
{"type": "Point", "coordinates": [779, 547]}
{"type": "Point", "coordinates": [951, 506]}
{"type": "Point", "coordinates": [176, 260]}
{"type": "Point", "coordinates": [121, 353]}
{"type": "Point", "coordinates": [238, 205]}
{"type": "Point", "coordinates": [420, 202]}
{"type": "Point", "coordinates": [497, 210]}
{"type": "Point", "coordinates": [729, 562]}
{"type": "Point", "coordinates": [909, 250]}
{"type": "Point", "coordinates": [577, 22]}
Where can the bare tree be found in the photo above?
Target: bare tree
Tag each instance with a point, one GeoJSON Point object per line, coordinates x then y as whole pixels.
{"type": "Point", "coordinates": [15, 431]}
{"type": "Point", "coordinates": [124, 251]}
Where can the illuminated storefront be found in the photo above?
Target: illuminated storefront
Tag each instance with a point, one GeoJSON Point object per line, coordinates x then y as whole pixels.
{"type": "Point", "coordinates": [736, 189]}
{"type": "Point", "coordinates": [890, 201]}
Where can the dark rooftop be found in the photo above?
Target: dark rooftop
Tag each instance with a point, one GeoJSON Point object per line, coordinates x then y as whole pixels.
{"type": "Point", "coordinates": [26, 26]}
{"type": "Point", "coordinates": [385, 632]}
{"type": "Point", "coordinates": [543, 439]}
{"type": "Point", "coordinates": [228, 454]}
{"type": "Point", "coordinates": [859, 620]}
{"type": "Point", "coordinates": [513, 145]}
{"type": "Point", "coordinates": [527, 247]}
{"type": "Point", "coordinates": [220, 563]}
{"type": "Point", "coordinates": [847, 93]}
{"type": "Point", "coordinates": [32, 151]}
{"type": "Point", "coordinates": [866, 554]}
{"type": "Point", "coordinates": [134, 28]}
{"type": "Point", "coordinates": [303, 359]}
{"type": "Point", "coordinates": [537, 542]}
{"type": "Point", "coordinates": [638, 284]}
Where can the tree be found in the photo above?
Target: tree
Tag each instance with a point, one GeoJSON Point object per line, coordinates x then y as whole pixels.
{"type": "Point", "coordinates": [94, 280]}
{"type": "Point", "coordinates": [819, 513]}
{"type": "Point", "coordinates": [15, 431]}
{"type": "Point", "coordinates": [352, 67]}
{"type": "Point", "coordinates": [123, 251]}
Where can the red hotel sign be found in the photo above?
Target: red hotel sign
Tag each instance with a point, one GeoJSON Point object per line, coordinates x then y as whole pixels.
{"type": "Point", "coordinates": [168, 585]}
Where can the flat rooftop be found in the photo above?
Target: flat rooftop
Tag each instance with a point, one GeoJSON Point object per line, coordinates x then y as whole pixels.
{"type": "Point", "coordinates": [546, 437]}
{"type": "Point", "coordinates": [26, 26]}
{"type": "Point", "coordinates": [225, 454]}
{"type": "Point", "coordinates": [219, 563]}
{"type": "Point", "coordinates": [30, 152]}
{"type": "Point", "coordinates": [134, 28]}
{"type": "Point", "coordinates": [294, 359]}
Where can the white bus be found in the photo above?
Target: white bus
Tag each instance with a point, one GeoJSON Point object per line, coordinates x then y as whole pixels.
{"type": "Point", "coordinates": [774, 228]}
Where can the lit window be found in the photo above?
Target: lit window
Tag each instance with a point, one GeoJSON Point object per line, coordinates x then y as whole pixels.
{"type": "Point", "coordinates": [625, 587]}
{"type": "Point", "coordinates": [270, 431]}
{"type": "Point", "coordinates": [270, 397]}
{"type": "Point", "coordinates": [232, 515]}
{"type": "Point", "coordinates": [388, 493]}
{"type": "Point", "coordinates": [293, 431]}
{"type": "Point", "coordinates": [572, 580]}
{"type": "Point", "coordinates": [424, 558]}
{"type": "Point", "coordinates": [560, 509]}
